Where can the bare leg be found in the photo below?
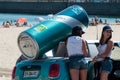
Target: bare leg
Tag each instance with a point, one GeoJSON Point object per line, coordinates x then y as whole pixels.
{"type": "Point", "coordinates": [83, 74]}
{"type": "Point", "coordinates": [74, 74]}
{"type": "Point", "coordinates": [104, 76]}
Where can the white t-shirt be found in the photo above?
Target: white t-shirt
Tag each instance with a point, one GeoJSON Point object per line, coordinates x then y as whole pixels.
{"type": "Point", "coordinates": [102, 48]}
{"type": "Point", "coordinates": [74, 45]}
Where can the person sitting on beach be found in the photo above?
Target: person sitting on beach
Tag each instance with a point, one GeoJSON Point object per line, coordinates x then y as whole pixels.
{"type": "Point", "coordinates": [6, 24]}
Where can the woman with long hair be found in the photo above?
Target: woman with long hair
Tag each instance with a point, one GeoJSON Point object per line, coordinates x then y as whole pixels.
{"type": "Point", "coordinates": [105, 49]}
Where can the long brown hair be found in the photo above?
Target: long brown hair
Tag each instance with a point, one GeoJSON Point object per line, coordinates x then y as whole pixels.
{"type": "Point", "coordinates": [101, 39]}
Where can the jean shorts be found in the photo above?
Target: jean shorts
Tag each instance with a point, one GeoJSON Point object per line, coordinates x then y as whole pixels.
{"type": "Point", "coordinates": [107, 65]}
{"type": "Point", "coordinates": [77, 62]}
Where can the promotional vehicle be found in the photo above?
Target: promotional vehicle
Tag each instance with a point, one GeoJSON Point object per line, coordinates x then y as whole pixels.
{"type": "Point", "coordinates": [52, 67]}
{"type": "Point", "coordinates": [56, 67]}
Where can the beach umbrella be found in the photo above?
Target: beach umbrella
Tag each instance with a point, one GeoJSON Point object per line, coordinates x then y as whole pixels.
{"type": "Point", "coordinates": [22, 20]}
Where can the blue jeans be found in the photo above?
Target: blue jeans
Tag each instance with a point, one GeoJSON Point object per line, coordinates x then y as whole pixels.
{"type": "Point", "coordinates": [107, 65]}
{"type": "Point", "coordinates": [77, 62]}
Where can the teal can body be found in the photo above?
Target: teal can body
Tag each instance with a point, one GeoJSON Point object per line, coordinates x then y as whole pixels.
{"type": "Point", "coordinates": [44, 36]}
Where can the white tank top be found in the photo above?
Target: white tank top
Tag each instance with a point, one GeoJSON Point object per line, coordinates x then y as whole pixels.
{"type": "Point", "coordinates": [74, 46]}
{"type": "Point", "coordinates": [102, 48]}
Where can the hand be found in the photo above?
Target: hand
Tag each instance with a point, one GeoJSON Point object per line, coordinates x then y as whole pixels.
{"type": "Point", "coordinates": [94, 59]}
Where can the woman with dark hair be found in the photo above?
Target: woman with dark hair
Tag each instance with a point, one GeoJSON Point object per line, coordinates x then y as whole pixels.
{"type": "Point", "coordinates": [105, 49]}
{"type": "Point", "coordinates": [76, 48]}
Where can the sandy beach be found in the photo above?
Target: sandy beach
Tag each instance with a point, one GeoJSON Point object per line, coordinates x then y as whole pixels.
{"type": "Point", "coordinates": [94, 32]}
{"type": "Point", "coordinates": [9, 51]}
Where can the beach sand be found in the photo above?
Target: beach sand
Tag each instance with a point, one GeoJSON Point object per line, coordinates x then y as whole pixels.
{"type": "Point", "coordinates": [9, 51]}
{"type": "Point", "coordinates": [94, 32]}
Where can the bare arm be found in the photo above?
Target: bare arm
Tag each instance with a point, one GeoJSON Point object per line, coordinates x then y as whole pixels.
{"type": "Point", "coordinates": [84, 47]}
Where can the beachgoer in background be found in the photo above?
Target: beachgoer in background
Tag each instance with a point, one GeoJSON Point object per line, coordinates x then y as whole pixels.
{"type": "Point", "coordinates": [76, 48]}
{"type": "Point", "coordinates": [17, 24]}
{"type": "Point", "coordinates": [96, 20]}
{"type": "Point", "coordinates": [100, 21]}
{"type": "Point", "coordinates": [105, 21]}
{"type": "Point", "coordinates": [6, 24]}
{"type": "Point", "coordinates": [25, 24]}
{"type": "Point", "coordinates": [117, 21]}
{"type": "Point", "coordinates": [105, 49]}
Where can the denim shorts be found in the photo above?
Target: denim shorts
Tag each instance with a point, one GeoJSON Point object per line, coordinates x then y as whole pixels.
{"type": "Point", "coordinates": [107, 65]}
{"type": "Point", "coordinates": [77, 62]}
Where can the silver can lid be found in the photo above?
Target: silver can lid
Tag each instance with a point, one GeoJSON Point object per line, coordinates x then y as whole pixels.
{"type": "Point", "coordinates": [28, 46]}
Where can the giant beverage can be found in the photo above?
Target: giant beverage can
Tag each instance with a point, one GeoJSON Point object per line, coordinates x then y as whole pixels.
{"type": "Point", "coordinates": [37, 40]}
